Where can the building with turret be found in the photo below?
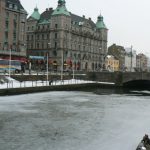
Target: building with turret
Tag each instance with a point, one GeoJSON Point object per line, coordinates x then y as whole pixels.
{"type": "Point", "coordinates": [74, 41]}
{"type": "Point", "coordinates": [12, 30]}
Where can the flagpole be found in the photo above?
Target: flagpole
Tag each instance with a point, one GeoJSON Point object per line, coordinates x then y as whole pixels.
{"type": "Point", "coordinates": [47, 67]}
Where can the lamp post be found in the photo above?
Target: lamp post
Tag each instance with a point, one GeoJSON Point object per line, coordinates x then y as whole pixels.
{"type": "Point", "coordinates": [100, 54]}
{"type": "Point", "coordinates": [73, 68]}
{"type": "Point", "coordinates": [47, 67]}
{"type": "Point", "coordinates": [62, 64]}
{"type": "Point", "coordinates": [29, 67]}
{"type": "Point", "coordinates": [47, 64]}
{"type": "Point", "coordinates": [10, 61]}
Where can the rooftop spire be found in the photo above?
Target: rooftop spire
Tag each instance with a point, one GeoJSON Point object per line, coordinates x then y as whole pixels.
{"type": "Point", "coordinates": [36, 14]}
{"type": "Point", "coordinates": [61, 8]}
{"type": "Point", "coordinates": [100, 23]}
{"type": "Point", "coordinates": [61, 2]}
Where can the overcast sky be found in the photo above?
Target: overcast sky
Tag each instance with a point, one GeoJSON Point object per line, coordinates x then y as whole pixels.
{"type": "Point", "coordinates": [128, 21]}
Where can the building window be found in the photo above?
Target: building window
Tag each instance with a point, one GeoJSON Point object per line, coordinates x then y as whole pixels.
{"type": "Point", "coordinates": [42, 45]}
{"type": "Point", "coordinates": [15, 25]}
{"type": "Point", "coordinates": [55, 35]}
{"type": "Point", "coordinates": [42, 36]}
{"type": "Point", "coordinates": [38, 45]}
{"type": "Point", "coordinates": [79, 47]}
{"type": "Point", "coordinates": [10, 6]}
{"type": "Point", "coordinates": [6, 35]}
{"type": "Point", "coordinates": [55, 45]}
{"type": "Point", "coordinates": [31, 45]}
{"type": "Point", "coordinates": [15, 7]}
{"type": "Point", "coordinates": [56, 26]}
{"type": "Point", "coordinates": [83, 48]}
{"type": "Point", "coordinates": [7, 15]}
{"type": "Point", "coordinates": [38, 37]}
{"type": "Point", "coordinates": [47, 36]}
{"type": "Point", "coordinates": [14, 36]}
{"type": "Point", "coordinates": [6, 24]}
{"type": "Point", "coordinates": [27, 37]}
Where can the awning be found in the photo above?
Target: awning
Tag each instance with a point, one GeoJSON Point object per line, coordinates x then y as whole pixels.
{"type": "Point", "coordinates": [36, 57]}
{"type": "Point", "coordinates": [21, 59]}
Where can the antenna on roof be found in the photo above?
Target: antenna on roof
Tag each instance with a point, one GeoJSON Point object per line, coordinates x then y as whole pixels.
{"type": "Point", "coordinates": [100, 12]}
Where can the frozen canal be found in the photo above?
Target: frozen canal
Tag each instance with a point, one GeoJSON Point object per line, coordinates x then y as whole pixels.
{"type": "Point", "coordinates": [73, 121]}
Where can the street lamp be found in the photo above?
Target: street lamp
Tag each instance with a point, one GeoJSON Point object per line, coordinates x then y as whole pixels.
{"type": "Point", "coordinates": [100, 54]}
{"type": "Point", "coordinates": [62, 64]}
{"type": "Point", "coordinates": [73, 67]}
{"type": "Point", "coordinates": [29, 67]}
{"type": "Point", "coordinates": [47, 63]}
{"type": "Point", "coordinates": [47, 66]}
{"type": "Point", "coordinates": [10, 61]}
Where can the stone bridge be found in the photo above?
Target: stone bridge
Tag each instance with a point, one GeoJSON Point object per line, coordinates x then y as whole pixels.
{"type": "Point", "coordinates": [132, 79]}
{"type": "Point", "coordinates": [122, 78]}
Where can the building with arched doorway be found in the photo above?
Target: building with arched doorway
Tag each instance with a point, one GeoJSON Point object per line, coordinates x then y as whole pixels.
{"type": "Point", "coordinates": [69, 39]}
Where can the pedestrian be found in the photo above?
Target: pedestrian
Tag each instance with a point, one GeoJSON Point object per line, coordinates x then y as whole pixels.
{"type": "Point", "coordinates": [50, 82]}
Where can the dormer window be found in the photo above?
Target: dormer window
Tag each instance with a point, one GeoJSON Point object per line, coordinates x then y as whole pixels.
{"type": "Point", "coordinates": [56, 25]}
{"type": "Point", "coordinates": [15, 7]}
{"type": "Point", "coordinates": [10, 6]}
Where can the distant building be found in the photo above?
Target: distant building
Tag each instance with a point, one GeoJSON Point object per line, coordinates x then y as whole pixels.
{"type": "Point", "coordinates": [148, 64]}
{"type": "Point", "coordinates": [66, 38]}
{"type": "Point", "coordinates": [130, 60]}
{"type": "Point", "coordinates": [12, 30]}
{"type": "Point", "coordinates": [119, 53]}
{"type": "Point", "coordinates": [141, 62]}
{"type": "Point", "coordinates": [112, 64]}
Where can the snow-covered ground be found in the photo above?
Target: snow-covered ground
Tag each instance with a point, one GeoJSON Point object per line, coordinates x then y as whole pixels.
{"type": "Point", "coordinates": [12, 83]}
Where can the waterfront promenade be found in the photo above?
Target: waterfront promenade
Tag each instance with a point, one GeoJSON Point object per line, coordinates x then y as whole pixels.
{"type": "Point", "coordinates": [10, 86]}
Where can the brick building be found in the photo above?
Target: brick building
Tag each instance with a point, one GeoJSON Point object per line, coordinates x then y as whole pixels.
{"type": "Point", "coordinates": [12, 30]}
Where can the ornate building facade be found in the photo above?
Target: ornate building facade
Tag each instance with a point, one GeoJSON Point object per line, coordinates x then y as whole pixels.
{"type": "Point", "coordinates": [76, 42]}
{"type": "Point", "coordinates": [12, 30]}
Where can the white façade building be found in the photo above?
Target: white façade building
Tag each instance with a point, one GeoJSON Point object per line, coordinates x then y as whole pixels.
{"type": "Point", "coordinates": [130, 60]}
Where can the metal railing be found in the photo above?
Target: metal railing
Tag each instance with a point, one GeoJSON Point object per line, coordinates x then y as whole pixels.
{"type": "Point", "coordinates": [25, 84]}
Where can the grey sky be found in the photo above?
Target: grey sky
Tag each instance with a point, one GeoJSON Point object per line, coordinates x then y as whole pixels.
{"type": "Point", "coordinates": [128, 21]}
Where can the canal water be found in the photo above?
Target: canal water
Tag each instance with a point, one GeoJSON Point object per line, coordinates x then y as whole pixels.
{"type": "Point", "coordinates": [98, 120]}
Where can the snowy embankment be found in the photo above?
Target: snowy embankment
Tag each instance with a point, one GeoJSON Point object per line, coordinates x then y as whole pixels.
{"type": "Point", "coordinates": [7, 82]}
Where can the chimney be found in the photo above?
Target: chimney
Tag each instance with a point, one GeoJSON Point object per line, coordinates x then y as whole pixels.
{"type": "Point", "coordinates": [50, 9]}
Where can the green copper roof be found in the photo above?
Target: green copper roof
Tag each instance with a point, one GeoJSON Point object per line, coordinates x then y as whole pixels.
{"type": "Point", "coordinates": [100, 23]}
{"type": "Point", "coordinates": [61, 9]}
{"type": "Point", "coordinates": [36, 14]}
